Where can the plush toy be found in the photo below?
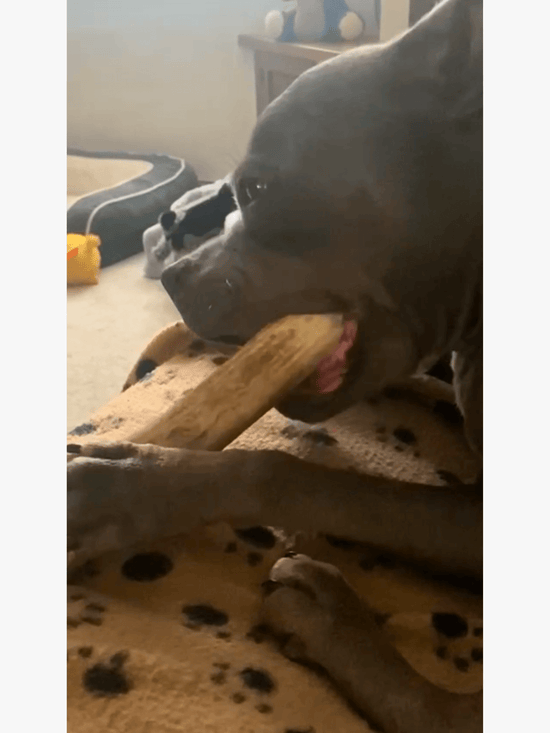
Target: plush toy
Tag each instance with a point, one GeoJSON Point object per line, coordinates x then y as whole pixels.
{"type": "Point", "coordinates": [195, 217]}
{"type": "Point", "coordinates": [83, 267]}
{"type": "Point", "coordinates": [329, 20]}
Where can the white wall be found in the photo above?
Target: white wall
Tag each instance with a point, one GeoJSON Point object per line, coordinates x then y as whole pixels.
{"type": "Point", "coordinates": [165, 76]}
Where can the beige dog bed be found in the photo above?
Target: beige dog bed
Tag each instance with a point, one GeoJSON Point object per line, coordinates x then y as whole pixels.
{"type": "Point", "coordinates": [164, 638]}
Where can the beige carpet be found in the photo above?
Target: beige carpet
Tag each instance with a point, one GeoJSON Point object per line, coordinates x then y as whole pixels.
{"type": "Point", "coordinates": [107, 327]}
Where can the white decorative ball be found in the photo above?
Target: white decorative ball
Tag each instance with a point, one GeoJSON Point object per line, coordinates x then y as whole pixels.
{"type": "Point", "coordinates": [351, 26]}
{"type": "Point", "coordinates": [274, 24]}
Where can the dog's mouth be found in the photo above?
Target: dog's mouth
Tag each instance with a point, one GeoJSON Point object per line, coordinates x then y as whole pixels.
{"type": "Point", "coordinates": [332, 370]}
{"type": "Point", "coordinates": [332, 385]}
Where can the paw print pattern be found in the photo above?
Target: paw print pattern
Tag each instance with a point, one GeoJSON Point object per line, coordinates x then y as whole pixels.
{"type": "Point", "coordinates": [108, 679]}
{"type": "Point", "coordinates": [147, 566]}
{"type": "Point", "coordinates": [459, 644]}
{"type": "Point", "coordinates": [202, 614]}
{"type": "Point", "coordinates": [84, 613]}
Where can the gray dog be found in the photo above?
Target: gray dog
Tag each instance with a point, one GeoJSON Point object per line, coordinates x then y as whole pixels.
{"type": "Point", "coordinates": [361, 193]}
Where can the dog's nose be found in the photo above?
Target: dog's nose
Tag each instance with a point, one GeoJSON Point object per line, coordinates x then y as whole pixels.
{"type": "Point", "coordinates": [205, 301]}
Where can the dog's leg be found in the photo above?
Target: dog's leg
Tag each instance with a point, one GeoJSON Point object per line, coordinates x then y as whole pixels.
{"type": "Point", "coordinates": [319, 619]}
{"type": "Point", "coordinates": [424, 387]}
{"type": "Point", "coordinates": [125, 493]}
{"type": "Point", "coordinates": [120, 494]}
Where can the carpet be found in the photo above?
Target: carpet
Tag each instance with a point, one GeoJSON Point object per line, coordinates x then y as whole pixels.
{"type": "Point", "coordinates": [107, 326]}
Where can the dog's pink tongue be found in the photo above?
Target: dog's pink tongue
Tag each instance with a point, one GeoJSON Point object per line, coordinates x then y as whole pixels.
{"type": "Point", "coordinates": [329, 372]}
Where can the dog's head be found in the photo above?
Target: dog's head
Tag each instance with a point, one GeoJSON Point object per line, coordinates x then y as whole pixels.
{"type": "Point", "coordinates": [361, 194]}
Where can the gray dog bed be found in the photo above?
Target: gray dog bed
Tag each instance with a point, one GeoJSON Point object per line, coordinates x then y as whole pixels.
{"type": "Point", "coordinates": [119, 195]}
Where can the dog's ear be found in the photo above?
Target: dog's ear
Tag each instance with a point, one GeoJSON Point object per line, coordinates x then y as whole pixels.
{"type": "Point", "coordinates": [446, 47]}
{"type": "Point", "coordinates": [167, 220]}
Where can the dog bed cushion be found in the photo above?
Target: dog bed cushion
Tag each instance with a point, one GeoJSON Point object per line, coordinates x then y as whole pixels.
{"type": "Point", "coordinates": [117, 196]}
{"type": "Point", "coordinates": [164, 637]}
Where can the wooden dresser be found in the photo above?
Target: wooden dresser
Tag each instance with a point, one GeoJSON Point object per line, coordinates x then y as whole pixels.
{"type": "Point", "coordinates": [277, 65]}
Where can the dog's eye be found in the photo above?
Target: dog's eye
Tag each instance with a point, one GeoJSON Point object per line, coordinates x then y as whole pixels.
{"type": "Point", "coordinates": [249, 190]}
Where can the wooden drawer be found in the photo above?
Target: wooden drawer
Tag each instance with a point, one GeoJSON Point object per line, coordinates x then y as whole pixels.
{"type": "Point", "coordinates": [277, 65]}
{"type": "Point", "coordinates": [274, 74]}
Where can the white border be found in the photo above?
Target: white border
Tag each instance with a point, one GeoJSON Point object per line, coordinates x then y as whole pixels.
{"type": "Point", "coordinates": [517, 295]}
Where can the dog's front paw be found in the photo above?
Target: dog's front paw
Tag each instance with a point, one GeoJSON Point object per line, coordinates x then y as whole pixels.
{"type": "Point", "coordinates": [305, 601]}
{"type": "Point", "coordinates": [100, 506]}
{"type": "Point", "coordinates": [114, 498]}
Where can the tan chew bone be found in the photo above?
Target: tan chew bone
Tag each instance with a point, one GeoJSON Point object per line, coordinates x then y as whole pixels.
{"type": "Point", "coordinates": [238, 393]}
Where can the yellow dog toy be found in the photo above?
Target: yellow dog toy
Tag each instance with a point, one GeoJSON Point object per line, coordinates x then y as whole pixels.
{"type": "Point", "coordinates": [83, 259]}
